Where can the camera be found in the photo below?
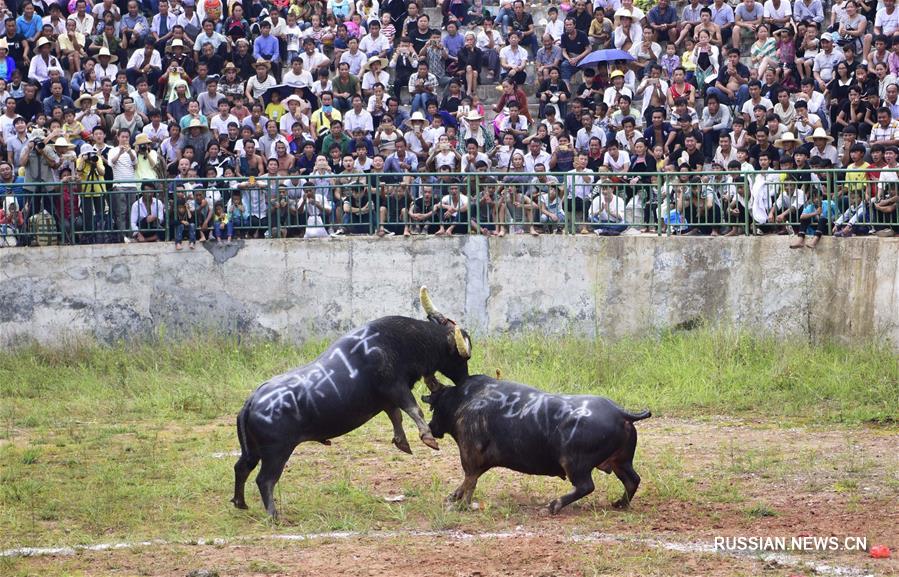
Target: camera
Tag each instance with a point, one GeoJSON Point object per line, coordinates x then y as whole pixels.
{"type": "Point", "coordinates": [143, 148]}
{"type": "Point", "coordinates": [40, 145]}
{"type": "Point", "coordinates": [93, 157]}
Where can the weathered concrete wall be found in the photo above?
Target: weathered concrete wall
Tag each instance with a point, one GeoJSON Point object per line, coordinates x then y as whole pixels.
{"type": "Point", "coordinates": [596, 287]}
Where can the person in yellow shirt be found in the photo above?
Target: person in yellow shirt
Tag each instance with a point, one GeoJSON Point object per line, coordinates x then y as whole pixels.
{"type": "Point", "coordinates": [323, 117]}
{"type": "Point", "coordinates": [90, 168]}
{"type": "Point", "coordinates": [72, 129]}
{"type": "Point", "coordinates": [274, 110]}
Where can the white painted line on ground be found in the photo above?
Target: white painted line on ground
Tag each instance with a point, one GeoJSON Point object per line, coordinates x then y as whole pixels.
{"type": "Point", "coordinates": [518, 533]}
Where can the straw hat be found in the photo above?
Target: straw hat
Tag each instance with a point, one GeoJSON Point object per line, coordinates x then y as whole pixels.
{"type": "Point", "coordinates": [372, 60]}
{"type": "Point", "coordinates": [229, 66]}
{"type": "Point", "coordinates": [61, 142]}
{"type": "Point", "coordinates": [615, 74]}
{"type": "Point", "coordinates": [418, 117]}
{"type": "Point", "coordinates": [787, 137]}
{"type": "Point", "coordinates": [42, 41]}
{"type": "Point", "coordinates": [474, 116]}
{"type": "Point", "coordinates": [197, 123]}
{"type": "Point", "coordinates": [818, 134]}
{"type": "Point", "coordinates": [144, 139]}
{"type": "Point", "coordinates": [261, 62]}
{"type": "Point", "coordinates": [292, 98]}
{"type": "Point", "coordinates": [623, 13]}
{"type": "Point", "coordinates": [4, 44]}
{"type": "Point", "coordinates": [105, 52]}
{"type": "Point", "coordinates": [85, 98]}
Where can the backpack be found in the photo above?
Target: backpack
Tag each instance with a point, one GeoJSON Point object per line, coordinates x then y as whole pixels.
{"type": "Point", "coordinates": [43, 226]}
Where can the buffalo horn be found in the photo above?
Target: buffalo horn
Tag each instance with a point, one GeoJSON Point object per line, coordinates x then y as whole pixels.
{"type": "Point", "coordinates": [461, 345]}
{"type": "Point", "coordinates": [427, 305]}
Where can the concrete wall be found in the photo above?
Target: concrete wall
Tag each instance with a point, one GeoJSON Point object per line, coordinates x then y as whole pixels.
{"type": "Point", "coordinates": [297, 289]}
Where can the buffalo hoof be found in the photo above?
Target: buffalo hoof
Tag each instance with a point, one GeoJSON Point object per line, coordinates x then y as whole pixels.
{"type": "Point", "coordinates": [430, 441]}
{"type": "Point", "coordinates": [554, 507]}
{"type": "Point", "coordinates": [622, 503]}
{"type": "Point", "coordinates": [239, 504]}
{"type": "Point", "coordinates": [402, 445]}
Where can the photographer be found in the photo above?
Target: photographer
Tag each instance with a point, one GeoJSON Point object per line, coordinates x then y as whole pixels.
{"type": "Point", "coordinates": [148, 162]}
{"type": "Point", "coordinates": [40, 161]}
{"type": "Point", "coordinates": [90, 168]}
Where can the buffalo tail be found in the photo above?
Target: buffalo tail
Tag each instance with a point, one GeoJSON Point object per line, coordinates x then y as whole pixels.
{"type": "Point", "coordinates": [242, 429]}
{"type": "Point", "coordinates": [636, 416]}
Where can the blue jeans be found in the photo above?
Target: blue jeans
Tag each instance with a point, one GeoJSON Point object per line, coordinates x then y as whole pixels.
{"type": "Point", "coordinates": [740, 97]}
{"type": "Point", "coordinates": [567, 71]}
{"type": "Point", "coordinates": [420, 101]}
{"type": "Point", "coordinates": [191, 233]}
{"type": "Point", "coordinates": [503, 18]}
{"type": "Point", "coordinates": [217, 229]}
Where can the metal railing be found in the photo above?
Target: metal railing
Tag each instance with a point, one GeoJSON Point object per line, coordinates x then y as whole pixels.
{"type": "Point", "coordinates": [490, 203]}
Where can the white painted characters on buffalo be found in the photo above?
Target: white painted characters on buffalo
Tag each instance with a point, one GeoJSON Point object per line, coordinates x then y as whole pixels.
{"type": "Point", "coordinates": [299, 390]}
{"type": "Point", "coordinates": [538, 406]}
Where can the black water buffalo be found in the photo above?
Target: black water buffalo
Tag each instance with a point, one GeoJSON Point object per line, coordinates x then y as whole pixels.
{"type": "Point", "coordinates": [504, 424]}
{"type": "Point", "coordinates": [363, 373]}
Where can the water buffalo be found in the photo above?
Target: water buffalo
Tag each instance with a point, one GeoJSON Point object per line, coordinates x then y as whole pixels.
{"type": "Point", "coordinates": [363, 373]}
{"type": "Point", "coordinates": [503, 424]}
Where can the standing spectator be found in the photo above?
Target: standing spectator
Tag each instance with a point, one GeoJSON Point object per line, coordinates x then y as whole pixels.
{"type": "Point", "coordinates": [123, 160]}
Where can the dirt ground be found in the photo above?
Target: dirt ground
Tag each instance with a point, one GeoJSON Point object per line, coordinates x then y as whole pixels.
{"type": "Point", "coordinates": [701, 479]}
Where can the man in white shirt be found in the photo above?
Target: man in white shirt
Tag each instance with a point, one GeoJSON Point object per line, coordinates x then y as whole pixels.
{"type": "Point", "coordinates": [297, 76]}
{"type": "Point", "coordinates": [218, 123]}
{"type": "Point", "coordinates": [827, 59]}
{"type": "Point", "coordinates": [610, 96]}
{"type": "Point", "coordinates": [84, 22]}
{"type": "Point", "coordinates": [536, 155]}
{"type": "Point", "coordinates": [155, 130]}
{"type": "Point", "coordinates": [652, 84]}
{"type": "Point", "coordinates": [588, 130]}
{"type": "Point", "coordinates": [354, 57]}
{"type": "Point", "coordinates": [43, 62]}
{"type": "Point", "coordinates": [887, 20]}
{"type": "Point", "coordinates": [147, 216]}
{"type": "Point", "coordinates": [374, 43]}
{"type": "Point", "coordinates": [123, 160]}
{"type": "Point", "coordinates": [579, 184]}
{"type": "Point", "coordinates": [161, 27]}
{"type": "Point", "coordinates": [755, 99]}
{"type": "Point", "coordinates": [374, 73]}
{"type": "Point", "coordinates": [209, 36]}
{"type": "Point", "coordinates": [313, 59]}
{"type": "Point", "coordinates": [777, 13]}
{"type": "Point", "coordinates": [513, 59]}
{"type": "Point", "coordinates": [490, 42]}
{"type": "Point", "coordinates": [554, 26]}
{"type": "Point", "coordinates": [358, 117]}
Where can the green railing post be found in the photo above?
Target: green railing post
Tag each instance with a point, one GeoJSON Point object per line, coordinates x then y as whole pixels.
{"type": "Point", "coordinates": [747, 209]}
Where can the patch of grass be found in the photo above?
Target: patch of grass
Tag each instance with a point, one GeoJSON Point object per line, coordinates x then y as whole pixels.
{"type": "Point", "coordinates": [759, 510]}
{"type": "Point", "coordinates": [263, 566]}
{"type": "Point", "coordinates": [30, 455]}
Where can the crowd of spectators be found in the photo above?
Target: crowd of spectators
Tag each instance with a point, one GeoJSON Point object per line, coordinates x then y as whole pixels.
{"type": "Point", "coordinates": [196, 120]}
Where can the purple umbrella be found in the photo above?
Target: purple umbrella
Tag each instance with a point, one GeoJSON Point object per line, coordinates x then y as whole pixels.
{"type": "Point", "coordinates": [609, 55]}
